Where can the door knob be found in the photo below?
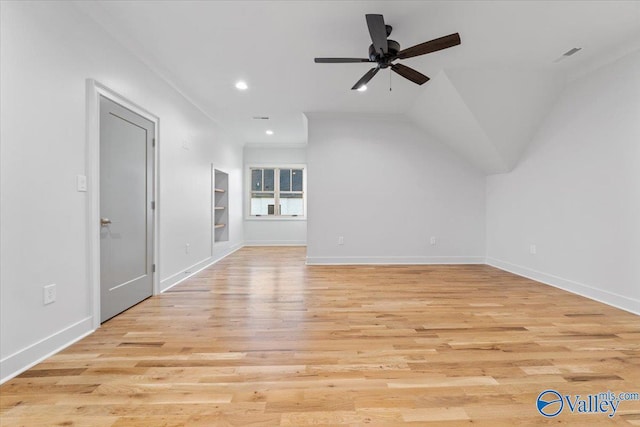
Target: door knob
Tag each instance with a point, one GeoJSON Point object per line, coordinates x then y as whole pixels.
{"type": "Point", "coordinates": [105, 221]}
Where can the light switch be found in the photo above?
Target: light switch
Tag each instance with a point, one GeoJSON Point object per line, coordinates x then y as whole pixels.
{"type": "Point", "coordinates": [81, 181]}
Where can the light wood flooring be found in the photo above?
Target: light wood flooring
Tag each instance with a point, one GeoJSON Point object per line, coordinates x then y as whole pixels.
{"type": "Point", "coordinates": [260, 339]}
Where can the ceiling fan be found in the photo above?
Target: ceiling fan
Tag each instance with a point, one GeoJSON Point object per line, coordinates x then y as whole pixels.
{"type": "Point", "coordinates": [384, 51]}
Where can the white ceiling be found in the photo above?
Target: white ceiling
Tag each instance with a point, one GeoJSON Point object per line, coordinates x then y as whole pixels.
{"type": "Point", "coordinates": [204, 47]}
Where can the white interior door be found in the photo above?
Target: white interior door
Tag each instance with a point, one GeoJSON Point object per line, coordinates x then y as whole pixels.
{"type": "Point", "coordinates": [126, 217]}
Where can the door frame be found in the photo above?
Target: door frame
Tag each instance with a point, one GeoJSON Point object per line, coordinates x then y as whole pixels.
{"type": "Point", "coordinates": [94, 90]}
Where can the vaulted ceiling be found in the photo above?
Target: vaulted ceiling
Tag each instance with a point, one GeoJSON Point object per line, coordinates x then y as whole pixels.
{"type": "Point", "coordinates": [485, 98]}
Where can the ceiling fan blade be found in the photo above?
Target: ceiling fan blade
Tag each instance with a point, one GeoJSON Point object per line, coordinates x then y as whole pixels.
{"type": "Point", "coordinates": [430, 46]}
{"type": "Point", "coordinates": [378, 32]}
{"type": "Point", "coordinates": [365, 79]}
{"type": "Point", "coordinates": [410, 74]}
{"type": "Point", "coordinates": [339, 60]}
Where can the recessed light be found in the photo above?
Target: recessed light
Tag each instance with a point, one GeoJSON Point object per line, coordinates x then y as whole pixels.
{"type": "Point", "coordinates": [242, 85]}
{"type": "Point", "coordinates": [269, 132]}
{"type": "Point", "coordinates": [362, 88]}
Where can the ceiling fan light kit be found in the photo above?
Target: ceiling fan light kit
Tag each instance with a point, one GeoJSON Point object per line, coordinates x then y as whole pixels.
{"type": "Point", "coordinates": [384, 51]}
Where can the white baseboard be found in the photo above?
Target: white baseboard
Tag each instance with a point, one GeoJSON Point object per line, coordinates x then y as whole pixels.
{"type": "Point", "coordinates": [275, 243]}
{"type": "Point", "coordinates": [173, 280]}
{"type": "Point", "coordinates": [391, 260]}
{"type": "Point", "coordinates": [30, 356]}
{"type": "Point", "coordinates": [619, 301]}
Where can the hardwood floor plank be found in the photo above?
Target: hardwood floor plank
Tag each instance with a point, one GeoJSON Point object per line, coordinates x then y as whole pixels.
{"type": "Point", "coordinates": [434, 414]}
{"type": "Point", "coordinates": [261, 339]}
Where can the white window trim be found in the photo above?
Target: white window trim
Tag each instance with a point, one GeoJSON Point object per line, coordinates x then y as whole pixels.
{"type": "Point", "coordinates": [247, 191]}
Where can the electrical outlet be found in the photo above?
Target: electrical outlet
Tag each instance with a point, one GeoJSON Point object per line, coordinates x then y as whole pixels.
{"type": "Point", "coordinates": [49, 294]}
{"type": "Point", "coordinates": [341, 240]}
{"type": "Point", "coordinates": [532, 249]}
{"type": "Point", "coordinates": [433, 240]}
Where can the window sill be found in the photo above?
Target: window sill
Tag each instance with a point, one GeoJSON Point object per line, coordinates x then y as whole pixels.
{"type": "Point", "coordinates": [276, 218]}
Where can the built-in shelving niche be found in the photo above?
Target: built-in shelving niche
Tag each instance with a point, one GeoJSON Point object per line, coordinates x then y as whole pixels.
{"type": "Point", "coordinates": [220, 206]}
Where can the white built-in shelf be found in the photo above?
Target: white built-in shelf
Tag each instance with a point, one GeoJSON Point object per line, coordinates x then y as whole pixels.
{"type": "Point", "coordinates": [220, 185]}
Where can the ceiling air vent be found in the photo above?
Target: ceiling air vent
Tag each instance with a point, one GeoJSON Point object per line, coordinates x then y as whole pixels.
{"type": "Point", "coordinates": [568, 53]}
{"type": "Point", "coordinates": [572, 51]}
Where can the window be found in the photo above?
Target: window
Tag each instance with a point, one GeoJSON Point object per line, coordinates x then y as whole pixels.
{"type": "Point", "coordinates": [277, 192]}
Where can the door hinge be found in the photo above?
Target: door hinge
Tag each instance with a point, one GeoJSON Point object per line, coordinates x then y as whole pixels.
{"type": "Point", "coordinates": [153, 268]}
{"type": "Point", "coordinates": [153, 142]}
{"type": "Point", "coordinates": [153, 204]}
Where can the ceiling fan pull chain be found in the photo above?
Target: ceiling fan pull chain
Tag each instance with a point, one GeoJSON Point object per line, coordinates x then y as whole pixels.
{"type": "Point", "coordinates": [389, 79]}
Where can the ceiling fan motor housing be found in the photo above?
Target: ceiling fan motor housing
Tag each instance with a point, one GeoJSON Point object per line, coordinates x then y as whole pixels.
{"type": "Point", "coordinates": [385, 59]}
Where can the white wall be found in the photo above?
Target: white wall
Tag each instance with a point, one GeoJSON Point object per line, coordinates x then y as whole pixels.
{"type": "Point", "coordinates": [48, 49]}
{"type": "Point", "coordinates": [387, 188]}
{"type": "Point", "coordinates": [273, 231]}
{"type": "Point", "coordinates": [576, 193]}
